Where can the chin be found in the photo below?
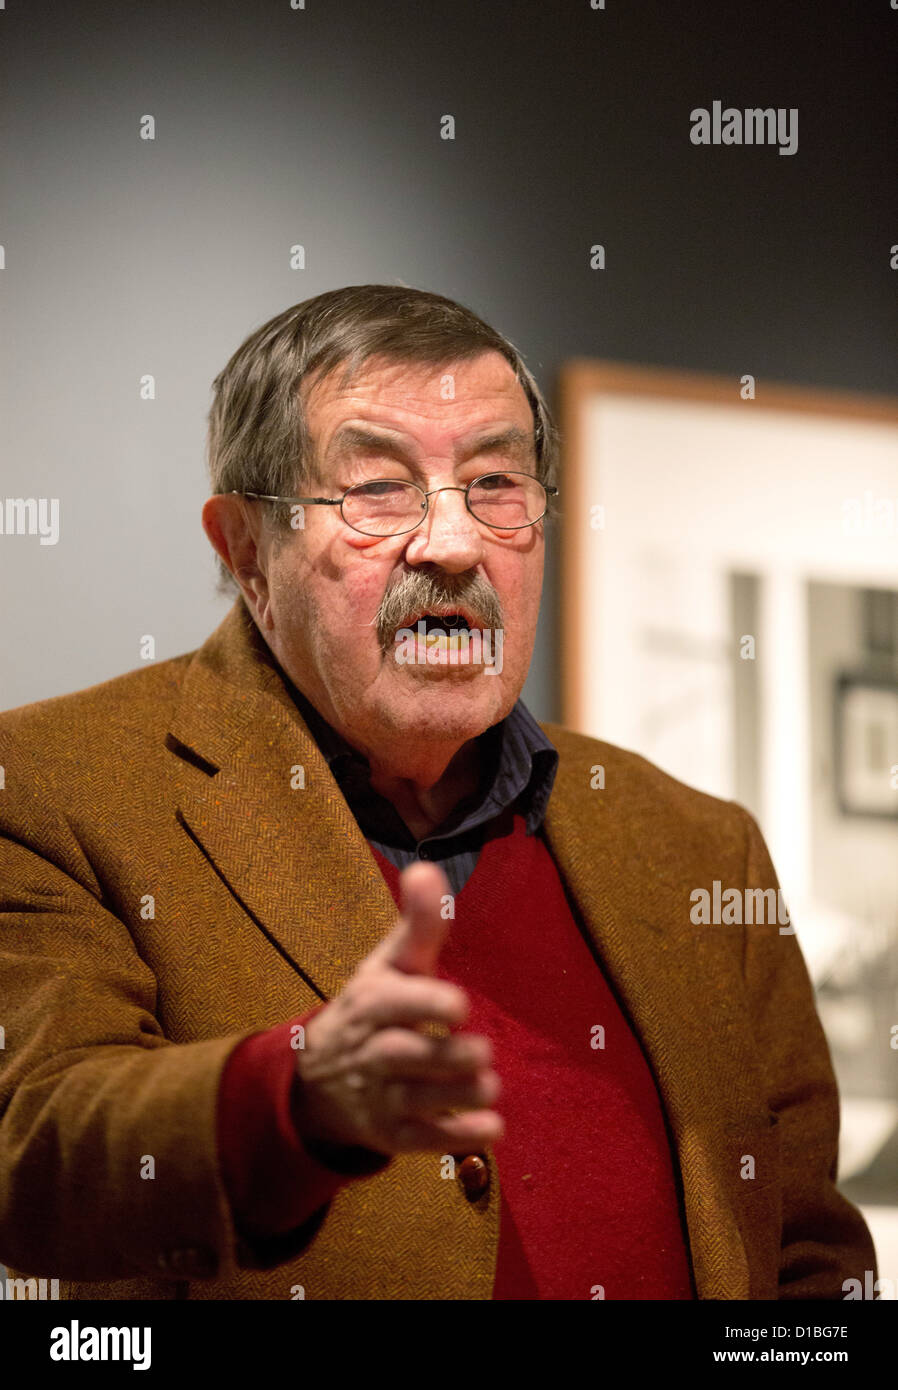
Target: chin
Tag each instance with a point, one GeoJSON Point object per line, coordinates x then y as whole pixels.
{"type": "Point", "coordinates": [450, 711]}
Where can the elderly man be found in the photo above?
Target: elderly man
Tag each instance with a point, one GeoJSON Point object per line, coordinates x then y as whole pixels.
{"type": "Point", "coordinates": [326, 971]}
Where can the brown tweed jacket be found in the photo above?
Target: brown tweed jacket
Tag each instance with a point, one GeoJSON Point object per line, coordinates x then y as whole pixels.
{"type": "Point", "coordinates": [167, 887]}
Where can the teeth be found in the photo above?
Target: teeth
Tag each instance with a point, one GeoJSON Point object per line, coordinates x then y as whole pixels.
{"type": "Point", "coordinates": [441, 642]}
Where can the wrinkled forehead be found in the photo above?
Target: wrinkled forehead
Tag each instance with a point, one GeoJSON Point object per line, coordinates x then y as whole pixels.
{"type": "Point", "coordinates": [399, 383]}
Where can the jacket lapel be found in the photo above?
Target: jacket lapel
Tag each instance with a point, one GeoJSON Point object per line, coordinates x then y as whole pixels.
{"type": "Point", "coordinates": [268, 814]}
{"type": "Point", "coordinates": [634, 918]}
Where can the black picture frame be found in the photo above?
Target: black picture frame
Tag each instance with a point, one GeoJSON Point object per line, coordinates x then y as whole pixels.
{"type": "Point", "coordinates": [866, 758]}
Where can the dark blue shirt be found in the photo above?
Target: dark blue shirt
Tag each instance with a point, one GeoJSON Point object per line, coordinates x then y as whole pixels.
{"type": "Point", "coordinates": [517, 771]}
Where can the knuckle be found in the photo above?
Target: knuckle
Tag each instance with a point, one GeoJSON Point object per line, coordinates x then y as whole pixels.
{"type": "Point", "coordinates": [360, 998]}
{"type": "Point", "coordinates": [393, 1046]}
{"type": "Point", "coordinates": [349, 996]}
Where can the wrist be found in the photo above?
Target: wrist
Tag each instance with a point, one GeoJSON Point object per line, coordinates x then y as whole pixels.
{"type": "Point", "coordinates": [352, 1160]}
{"type": "Point", "coordinates": [335, 1154]}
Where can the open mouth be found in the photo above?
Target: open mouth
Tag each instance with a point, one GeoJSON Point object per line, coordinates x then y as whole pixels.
{"type": "Point", "coordinates": [452, 624]}
{"type": "Point", "coordinates": [437, 642]}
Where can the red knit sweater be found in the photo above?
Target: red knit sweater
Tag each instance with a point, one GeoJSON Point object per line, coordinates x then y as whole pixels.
{"type": "Point", "coordinates": [589, 1188]}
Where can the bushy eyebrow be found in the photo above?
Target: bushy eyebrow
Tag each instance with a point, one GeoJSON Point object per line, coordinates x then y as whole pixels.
{"type": "Point", "coordinates": [512, 441]}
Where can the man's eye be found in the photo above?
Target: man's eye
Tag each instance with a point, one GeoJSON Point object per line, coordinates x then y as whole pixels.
{"type": "Point", "coordinates": [380, 488]}
{"type": "Point", "coordinates": [493, 481]}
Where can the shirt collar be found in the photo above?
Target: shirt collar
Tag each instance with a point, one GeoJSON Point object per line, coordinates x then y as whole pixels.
{"type": "Point", "coordinates": [524, 758]}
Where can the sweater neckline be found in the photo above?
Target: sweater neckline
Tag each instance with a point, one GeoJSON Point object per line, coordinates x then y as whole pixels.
{"type": "Point", "coordinates": [510, 828]}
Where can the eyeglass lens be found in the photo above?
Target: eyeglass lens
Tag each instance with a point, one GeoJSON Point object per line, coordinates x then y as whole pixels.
{"type": "Point", "coordinates": [384, 507]}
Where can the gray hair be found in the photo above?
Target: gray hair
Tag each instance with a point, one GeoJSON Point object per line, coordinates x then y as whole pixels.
{"type": "Point", "coordinates": [257, 437]}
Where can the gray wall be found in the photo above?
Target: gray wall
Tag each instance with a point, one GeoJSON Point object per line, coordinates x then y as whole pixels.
{"type": "Point", "coordinates": [320, 126]}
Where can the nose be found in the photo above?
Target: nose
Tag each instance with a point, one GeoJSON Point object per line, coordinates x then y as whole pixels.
{"type": "Point", "coordinates": [448, 536]}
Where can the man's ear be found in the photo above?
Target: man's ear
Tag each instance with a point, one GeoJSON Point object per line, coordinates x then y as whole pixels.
{"type": "Point", "coordinates": [236, 530]}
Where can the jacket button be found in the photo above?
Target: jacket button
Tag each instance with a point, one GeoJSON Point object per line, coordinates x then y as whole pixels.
{"type": "Point", "coordinates": [474, 1176]}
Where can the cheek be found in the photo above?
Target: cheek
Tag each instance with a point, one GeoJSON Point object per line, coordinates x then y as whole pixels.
{"type": "Point", "coordinates": [358, 595]}
{"type": "Point", "coordinates": [343, 600]}
{"type": "Point", "coordinates": [331, 582]}
{"type": "Point", "coordinates": [523, 585]}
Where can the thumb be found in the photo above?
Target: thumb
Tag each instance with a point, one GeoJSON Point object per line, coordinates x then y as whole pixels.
{"type": "Point", "coordinates": [415, 943]}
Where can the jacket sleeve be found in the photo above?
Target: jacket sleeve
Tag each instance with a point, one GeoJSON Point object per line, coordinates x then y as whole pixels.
{"type": "Point", "coordinates": [109, 1163]}
{"type": "Point", "coordinates": [825, 1240]}
{"type": "Point", "coordinates": [276, 1178]}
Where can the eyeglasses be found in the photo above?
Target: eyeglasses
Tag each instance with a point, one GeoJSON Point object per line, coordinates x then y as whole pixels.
{"type": "Point", "coordinates": [390, 507]}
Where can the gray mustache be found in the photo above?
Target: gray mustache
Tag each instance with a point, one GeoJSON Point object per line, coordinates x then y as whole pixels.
{"type": "Point", "coordinates": [420, 592]}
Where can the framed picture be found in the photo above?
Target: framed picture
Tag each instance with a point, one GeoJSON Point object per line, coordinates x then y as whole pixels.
{"type": "Point", "coordinates": [866, 745]}
{"type": "Point", "coordinates": [675, 486]}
